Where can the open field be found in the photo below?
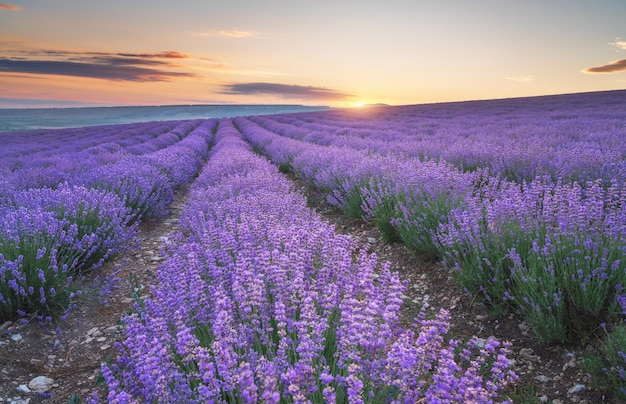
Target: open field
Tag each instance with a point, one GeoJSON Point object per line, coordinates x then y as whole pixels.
{"type": "Point", "coordinates": [468, 252]}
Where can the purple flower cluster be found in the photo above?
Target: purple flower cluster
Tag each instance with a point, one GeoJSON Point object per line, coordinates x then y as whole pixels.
{"type": "Point", "coordinates": [143, 188]}
{"type": "Point", "coordinates": [47, 236]}
{"type": "Point", "coordinates": [259, 300]}
{"type": "Point", "coordinates": [413, 198]}
{"type": "Point", "coordinates": [99, 219]}
{"type": "Point", "coordinates": [182, 161]}
{"type": "Point", "coordinates": [34, 275]}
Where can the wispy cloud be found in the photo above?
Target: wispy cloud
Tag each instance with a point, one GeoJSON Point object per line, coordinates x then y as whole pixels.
{"type": "Point", "coordinates": [92, 70]}
{"type": "Point", "coordinates": [619, 43]}
{"type": "Point", "coordinates": [227, 34]}
{"type": "Point", "coordinates": [9, 7]}
{"type": "Point", "coordinates": [521, 79]}
{"type": "Point", "coordinates": [236, 34]}
{"type": "Point", "coordinates": [285, 91]}
{"type": "Point", "coordinates": [159, 55]}
{"type": "Point", "coordinates": [138, 67]}
{"type": "Point", "coordinates": [613, 67]}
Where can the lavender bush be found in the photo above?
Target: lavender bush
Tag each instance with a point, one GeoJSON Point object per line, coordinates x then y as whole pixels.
{"type": "Point", "coordinates": [37, 252]}
{"type": "Point", "coordinates": [47, 237]}
{"type": "Point", "coordinates": [413, 198]}
{"type": "Point", "coordinates": [7, 190]}
{"type": "Point", "coordinates": [178, 164]}
{"type": "Point", "coordinates": [100, 218]}
{"type": "Point", "coordinates": [608, 366]}
{"type": "Point", "coordinates": [380, 201]}
{"type": "Point", "coordinates": [144, 189]}
{"type": "Point", "coordinates": [552, 250]}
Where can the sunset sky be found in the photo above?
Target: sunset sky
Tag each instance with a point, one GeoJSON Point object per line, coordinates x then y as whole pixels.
{"type": "Point", "coordinates": [338, 53]}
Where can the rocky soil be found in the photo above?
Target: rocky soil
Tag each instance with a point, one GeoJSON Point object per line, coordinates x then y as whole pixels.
{"type": "Point", "coordinates": [51, 363]}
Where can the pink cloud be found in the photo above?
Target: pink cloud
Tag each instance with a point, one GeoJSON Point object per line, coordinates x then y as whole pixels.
{"type": "Point", "coordinates": [160, 55]}
{"type": "Point", "coordinates": [10, 7]}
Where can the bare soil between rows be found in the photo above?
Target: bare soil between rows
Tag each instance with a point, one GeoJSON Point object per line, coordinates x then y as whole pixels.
{"type": "Point", "coordinates": [71, 352]}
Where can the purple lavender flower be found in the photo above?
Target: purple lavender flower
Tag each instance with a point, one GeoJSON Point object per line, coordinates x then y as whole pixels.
{"type": "Point", "coordinates": [143, 188]}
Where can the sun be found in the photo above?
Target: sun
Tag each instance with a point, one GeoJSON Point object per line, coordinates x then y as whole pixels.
{"type": "Point", "coordinates": [358, 104]}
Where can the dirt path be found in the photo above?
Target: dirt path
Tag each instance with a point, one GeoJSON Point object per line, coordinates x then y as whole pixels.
{"type": "Point", "coordinates": [70, 352]}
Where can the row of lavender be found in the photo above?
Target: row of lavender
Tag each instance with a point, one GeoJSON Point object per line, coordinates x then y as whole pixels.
{"type": "Point", "coordinates": [259, 300]}
{"type": "Point", "coordinates": [577, 137]}
{"type": "Point", "coordinates": [41, 158]}
{"type": "Point", "coordinates": [552, 250]}
{"type": "Point", "coordinates": [70, 201]}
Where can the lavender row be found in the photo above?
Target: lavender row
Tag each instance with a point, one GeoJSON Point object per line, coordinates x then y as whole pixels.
{"type": "Point", "coordinates": [146, 183]}
{"type": "Point", "coordinates": [51, 141]}
{"type": "Point", "coordinates": [50, 235]}
{"type": "Point", "coordinates": [573, 138]}
{"type": "Point", "coordinates": [503, 240]}
{"type": "Point", "coordinates": [407, 198]}
{"type": "Point", "coordinates": [159, 163]}
{"type": "Point", "coordinates": [261, 301]}
{"type": "Point", "coordinates": [552, 251]}
{"type": "Point", "coordinates": [32, 160]}
{"type": "Point", "coordinates": [46, 142]}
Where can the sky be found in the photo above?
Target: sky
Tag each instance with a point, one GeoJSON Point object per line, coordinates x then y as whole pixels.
{"type": "Point", "coordinates": [59, 53]}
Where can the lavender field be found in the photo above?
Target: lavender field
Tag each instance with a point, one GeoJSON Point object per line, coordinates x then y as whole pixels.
{"type": "Point", "coordinates": [260, 300]}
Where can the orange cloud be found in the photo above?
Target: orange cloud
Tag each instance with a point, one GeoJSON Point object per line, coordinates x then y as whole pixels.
{"type": "Point", "coordinates": [9, 7]}
{"type": "Point", "coordinates": [613, 67]}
